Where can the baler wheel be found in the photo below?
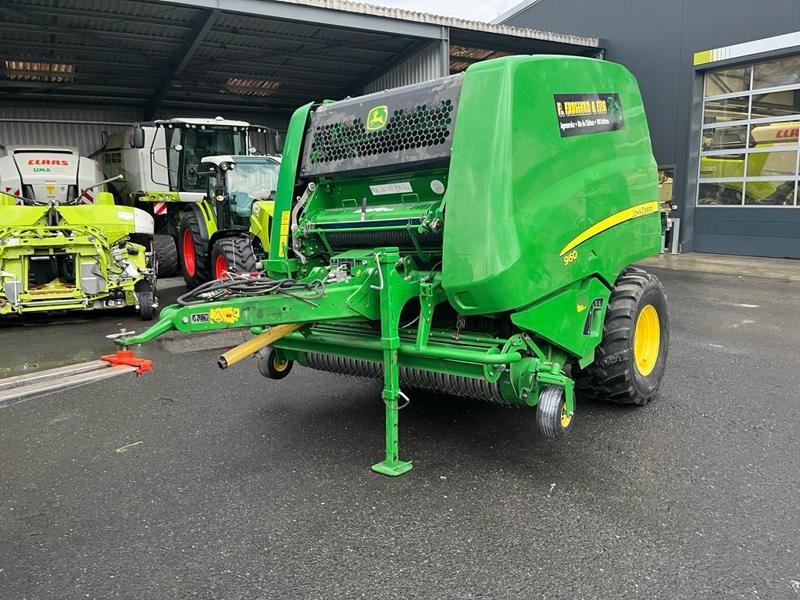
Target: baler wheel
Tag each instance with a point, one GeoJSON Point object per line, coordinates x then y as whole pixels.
{"type": "Point", "coordinates": [552, 417]}
{"type": "Point", "coordinates": [193, 251]}
{"type": "Point", "coordinates": [631, 358]}
{"type": "Point", "coordinates": [271, 366]}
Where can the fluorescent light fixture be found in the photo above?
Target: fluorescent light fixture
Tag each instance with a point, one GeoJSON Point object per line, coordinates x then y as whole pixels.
{"type": "Point", "coordinates": [24, 70]}
{"type": "Point", "coordinates": [252, 87]}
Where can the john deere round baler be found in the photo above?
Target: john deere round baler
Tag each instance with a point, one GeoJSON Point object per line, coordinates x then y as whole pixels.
{"type": "Point", "coordinates": [472, 235]}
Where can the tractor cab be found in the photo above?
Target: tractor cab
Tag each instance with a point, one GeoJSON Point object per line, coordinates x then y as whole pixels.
{"type": "Point", "coordinates": [234, 183]}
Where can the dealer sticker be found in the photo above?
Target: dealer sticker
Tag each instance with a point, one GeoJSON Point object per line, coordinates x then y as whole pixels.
{"type": "Point", "coordinates": [580, 114]}
{"type": "Point", "coordinates": [391, 188]}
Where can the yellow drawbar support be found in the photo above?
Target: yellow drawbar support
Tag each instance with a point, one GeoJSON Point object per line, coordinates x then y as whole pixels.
{"type": "Point", "coordinates": [250, 347]}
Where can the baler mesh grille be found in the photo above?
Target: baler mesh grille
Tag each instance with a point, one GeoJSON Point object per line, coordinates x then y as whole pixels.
{"type": "Point", "coordinates": [425, 125]}
{"type": "Point", "coordinates": [398, 128]}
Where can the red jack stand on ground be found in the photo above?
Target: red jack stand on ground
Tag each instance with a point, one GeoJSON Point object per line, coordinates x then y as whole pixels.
{"type": "Point", "coordinates": [24, 387]}
{"type": "Point", "coordinates": [126, 358]}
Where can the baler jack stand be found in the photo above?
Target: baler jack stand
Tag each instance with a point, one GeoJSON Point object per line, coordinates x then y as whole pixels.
{"type": "Point", "coordinates": [391, 303]}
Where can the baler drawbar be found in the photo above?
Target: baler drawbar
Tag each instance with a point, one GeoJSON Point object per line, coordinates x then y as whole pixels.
{"type": "Point", "coordinates": [471, 235]}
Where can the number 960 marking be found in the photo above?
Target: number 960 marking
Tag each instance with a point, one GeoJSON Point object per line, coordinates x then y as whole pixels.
{"type": "Point", "coordinates": [570, 257]}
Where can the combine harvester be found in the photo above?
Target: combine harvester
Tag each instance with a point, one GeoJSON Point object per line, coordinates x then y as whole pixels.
{"type": "Point", "coordinates": [473, 235]}
{"type": "Point", "coordinates": [64, 245]}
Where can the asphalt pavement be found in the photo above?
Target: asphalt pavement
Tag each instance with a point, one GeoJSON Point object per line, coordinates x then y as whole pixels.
{"type": "Point", "coordinates": [191, 482]}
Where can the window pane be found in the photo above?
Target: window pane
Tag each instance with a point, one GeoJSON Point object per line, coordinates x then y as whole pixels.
{"type": "Point", "coordinates": [719, 194]}
{"type": "Point", "coordinates": [727, 81]}
{"type": "Point", "coordinates": [666, 176]}
{"type": "Point", "coordinates": [769, 164]}
{"type": "Point", "coordinates": [725, 138]}
{"type": "Point", "coordinates": [776, 104]}
{"type": "Point", "coordinates": [770, 193]}
{"type": "Point", "coordinates": [729, 109]}
{"type": "Point", "coordinates": [774, 134]}
{"type": "Point", "coordinates": [715, 167]}
{"type": "Point", "coordinates": [772, 73]}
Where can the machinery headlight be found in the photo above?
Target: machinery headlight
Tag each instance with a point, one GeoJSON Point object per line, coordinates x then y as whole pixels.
{"type": "Point", "coordinates": [9, 242]}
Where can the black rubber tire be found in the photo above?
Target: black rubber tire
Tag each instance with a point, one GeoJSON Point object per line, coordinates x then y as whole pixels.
{"type": "Point", "coordinates": [549, 412]}
{"type": "Point", "coordinates": [238, 253]}
{"type": "Point", "coordinates": [270, 367]}
{"type": "Point", "coordinates": [190, 223]}
{"type": "Point", "coordinates": [166, 255]}
{"type": "Point", "coordinates": [146, 310]}
{"type": "Point", "coordinates": [614, 376]}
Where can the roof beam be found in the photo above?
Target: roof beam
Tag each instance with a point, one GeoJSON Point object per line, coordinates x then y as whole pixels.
{"type": "Point", "coordinates": [191, 43]}
{"type": "Point", "coordinates": [291, 11]}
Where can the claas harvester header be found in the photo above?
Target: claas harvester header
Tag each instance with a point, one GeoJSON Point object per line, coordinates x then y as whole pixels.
{"type": "Point", "coordinates": [472, 235]}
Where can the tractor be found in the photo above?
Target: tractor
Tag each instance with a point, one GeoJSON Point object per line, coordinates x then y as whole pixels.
{"type": "Point", "coordinates": [241, 190]}
{"type": "Point", "coordinates": [163, 174]}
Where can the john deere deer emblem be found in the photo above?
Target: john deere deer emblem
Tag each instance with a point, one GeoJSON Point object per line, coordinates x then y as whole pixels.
{"type": "Point", "coordinates": [377, 117]}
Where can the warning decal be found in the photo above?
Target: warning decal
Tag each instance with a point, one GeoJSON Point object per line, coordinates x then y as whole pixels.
{"type": "Point", "coordinates": [580, 114]}
{"type": "Point", "coordinates": [224, 314]}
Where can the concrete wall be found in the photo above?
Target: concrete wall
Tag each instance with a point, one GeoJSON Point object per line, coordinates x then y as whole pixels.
{"type": "Point", "coordinates": [656, 40]}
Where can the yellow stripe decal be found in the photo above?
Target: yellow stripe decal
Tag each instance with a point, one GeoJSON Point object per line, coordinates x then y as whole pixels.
{"type": "Point", "coordinates": [704, 57]}
{"type": "Point", "coordinates": [633, 212]}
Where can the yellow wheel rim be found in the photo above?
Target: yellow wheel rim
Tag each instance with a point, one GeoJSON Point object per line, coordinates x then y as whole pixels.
{"type": "Point", "coordinates": [280, 365]}
{"type": "Point", "coordinates": [646, 340]}
{"type": "Point", "coordinates": [566, 418]}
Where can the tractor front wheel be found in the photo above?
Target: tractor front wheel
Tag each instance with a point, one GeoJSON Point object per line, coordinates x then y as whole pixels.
{"type": "Point", "coordinates": [233, 255]}
{"type": "Point", "coordinates": [193, 251]}
{"type": "Point", "coordinates": [632, 356]}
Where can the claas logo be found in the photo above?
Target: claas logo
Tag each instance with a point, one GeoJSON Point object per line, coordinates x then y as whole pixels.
{"type": "Point", "coordinates": [377, 117]}
{"type": "Point", "coordinates": [50, 162]}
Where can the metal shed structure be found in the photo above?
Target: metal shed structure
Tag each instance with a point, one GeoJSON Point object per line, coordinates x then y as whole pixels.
{"type": "Point", "coordinates": [70, 68]}
{"type": "Point", "coordinates": [720, 81]}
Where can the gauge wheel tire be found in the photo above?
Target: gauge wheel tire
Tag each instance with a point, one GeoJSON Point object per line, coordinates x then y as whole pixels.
{"type": "Point", "coordinates": [146, 302]}
{"type": "Point", "coordinates": [193, 251]}
{"type": "Point", "coordinates": [632, 356]}
{"type": "Point", "coordinates": [166, 255]}
{"type": "Point", "coordinates": [271, 366]}
{"type": "Point", "coordinates": [234, 255]}
{"type": "Point", "coordinates": [551, 413]}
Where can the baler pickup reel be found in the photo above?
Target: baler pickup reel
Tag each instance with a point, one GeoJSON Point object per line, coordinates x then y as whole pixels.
{"type": "Point", "coordinates": [331, 311]}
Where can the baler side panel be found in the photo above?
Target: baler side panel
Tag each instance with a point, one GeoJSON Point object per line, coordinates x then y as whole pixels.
{"type": "Point", "coordinates": [523, 193]}
{"type": "Point", "coordinates": [285, 194]}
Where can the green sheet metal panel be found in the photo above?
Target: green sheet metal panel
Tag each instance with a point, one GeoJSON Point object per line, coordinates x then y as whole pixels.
{"type": "Point", "coordinates": [524, 183]}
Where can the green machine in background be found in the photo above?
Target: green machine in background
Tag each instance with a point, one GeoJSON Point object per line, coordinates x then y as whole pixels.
{"type": "Point", "coordinates": [473, 235]}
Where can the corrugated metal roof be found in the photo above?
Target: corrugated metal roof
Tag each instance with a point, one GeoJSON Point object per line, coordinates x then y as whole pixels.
{"type": "Point", "coordinates": [181, 55]}
{"type": "Point", "coordinates": [390, 12]}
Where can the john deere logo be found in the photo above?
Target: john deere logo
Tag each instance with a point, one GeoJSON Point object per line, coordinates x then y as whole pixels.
{"type": "Point", "coordinates": [377, 117]}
